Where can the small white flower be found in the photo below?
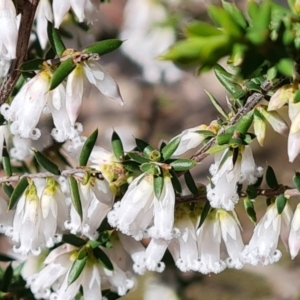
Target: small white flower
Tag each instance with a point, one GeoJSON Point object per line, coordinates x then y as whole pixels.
{"type": "Point", "coordinates": [9, 29]}
{"type": "Point", "coordinates": [294, 236]}
{"type": "Point", "coordinates": [262, 246]}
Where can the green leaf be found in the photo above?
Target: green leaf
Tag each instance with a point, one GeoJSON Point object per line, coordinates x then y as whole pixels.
{"type": "Point", "coordinates": [286, 67]}
{"type": "Point", "coordinates": [6, 258]}
{"type": "Point", "coordinates": [244, 123]}
{"type": "Point", "coordinates": [251, 191]}
{"type": "Point", "coordinates": [189, 180]}
{"type": "Point", "coordinates": [7, 278]}
{"type": "Point", "coordinates": [93, 244]}
{"type": "Point", "coordinates": [150, 168]}
{"type": "Point", "coordinates": [103, 258]}
{"type": "Point", "coordinates": [296, 180]}
{"type": "Point", "coordinates": [17, 193]}
{"type": "Point", "coordinates": [180, 165]}
{"type": "Point", "coordinates": [131, 166]}
{"type": "Point", "coordinates": [199, 28]}
{"type": "Point", "coordinates": [235, 13]}
{"type": "Point", "coordinates": [103, 47]}
{"type": "Point", "coordinates": [76, 269]}
{"type": "Point", "coordinates": [75, 196]}
{"type": "Point", "coordinates": [6, 160]}
{"type": "Point", "coordinates": [55, 39]}
{"type": "Point", "coordinates": [158, 186]}
{"type": "Point", "coordinates": [175, 182]}
{"type": "Point", "coordinates": [8, 189]}
{"type": "Point", "coordinates": [280, 203]}
{"type": "Point", "coordinates": [204, 213]}
{"type": "Point", "coordinates": [271, 178]}
{"type": "Point", "coordinates": [138, 158]}
{"type": "Point", "coordinates": [216, 149]}
{"type": "Point", "coordinates": [32, 65]}
{"type": "Point", "coordinates": [249, 207]}
{"type": "Point", "coordinates": [88, 148]}
{"type": "Point", "coordinates": [216, 104]}
{"type": "Point", "coordinates": [297, 97]}
{"type": "Point", "coordinates": [144, 147]}
{"type": "Point", "coordinates": [46, 163]}
{"type": "Point", "coordinates": [73, 240]}
{"type": "Point", "coordinates": [82, 253]}
{"type": "Point", "coordinates": [117, 146]}
{"type": "Point", "coordinates": [170, 148]}
{"type": "Point", "coordinates": [223, 138]}
{"type": "Point", "coordinates": [61, 73]}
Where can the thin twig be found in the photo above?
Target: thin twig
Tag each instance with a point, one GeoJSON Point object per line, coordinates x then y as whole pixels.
{"type": "Point", "coordinates": [27, 9]}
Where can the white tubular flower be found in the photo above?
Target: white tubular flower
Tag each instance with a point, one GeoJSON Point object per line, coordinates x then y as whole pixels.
{"type": "Point", "coordinates": [294, 236]}
{"type": "Point", "coordinates": [262, 246]}
{"type": "Point", "coordinates": [184, 248]}
{"type": "Point", "coordinates": [9, 29]}
{"type": "Point", "coordinates": [97, 200]}
{"type": "Point", "coordinates": [134, 213]}
{"type": "Point", "coordinates": [42, 15]}
{"type": "Point", "coordinates": [209, 241]}
{"type": "Point", "coordinates": [6, 217]}
{"type": "Point", "coordinates": [40, 214]}
{"type": "Point", "coordinates": [92, 72]}
{"type": "Point", "coordinates": [142, 26]}
{"type": "Point", "coordinates": [27, 106]}
{"type": "Point", "coordinates": [293, 139]}
{"type": "Point", "coordinates": [282, 96]}
{"type": "Point", "coordinates": [21, 148]}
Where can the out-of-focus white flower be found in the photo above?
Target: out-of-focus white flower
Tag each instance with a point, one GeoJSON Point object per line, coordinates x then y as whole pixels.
{"type": "Point", "coordinates": [9, 29]}
{"type": "Point", "coordinates": [145, 25]}
{"type": "Point", "coordinates": [77, 86]}
{"type": "Point", "coordinates": [52, 281]}
{"type": "Point", "coordinates": [217, 225]}
{"type": "Point", "coordinates": [293, 140]}
{"type": "Point", "coordinates": [40, 215]}
{"type": "Point", "coordinates": [294, 236]}
{"type": "Point", "coordinates": [139, 206]}
{"type": "Point", "coordinates": [43, 15]}
{"type": "Point", "coordinates": [262, 248]}
{"type": "Point", "coordinates": [21, 148]}
{"type": "Point", "coordinates": [222, 191]}
{"type": "Point", "coordinates": [96, 200]}
{"type": "Point", "coordinates": [80, 8]}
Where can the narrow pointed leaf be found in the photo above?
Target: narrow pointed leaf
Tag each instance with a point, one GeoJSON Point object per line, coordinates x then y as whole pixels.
{"type": "Point", "coordinates": [7, 278]}
{"type": "Point", "coordinates": [6, 258]}
{"type": "Point", "coordinates": [17, 193]}
{"type": "Point", "coordinates": [204, 213]}
{"type": "Point", "coordinates": [144, 147]}
{"type": "Point", "coordinates": [158, 186]}
{"type": "Point", "coordinates": [170, 148]}
{"type": "Point", "coordinates": [223, 138]}
{"type": "Point", "coordinates": [138, 158]}
{"type": "Point", "coordinates": [131, 166]}
{"type": "Point", "coordinates": [103, 258]}
{"type": "Point", "coordinates": [55, 39]}
{"type": "Point", "coordinates": [103, 47]}
{"type": "Point", "coordinates": [175, 182]}
{"type": "Point", "coordinates": [117, 146]}
{"type": "Point", "coordinates": [6, 161]}
{"type": "Point", "coordinates": [75, 196]}
{"type": "Point", "coordinates": [200, 28]}
{"type": "Point", "coordinates": [271, 178]}
{"type": "Point", "coordinates": [249, 207]}
{"type": "Point", "coordinates": [216, 149]}
{"type": "Point", "coordinates": [61, 73]}
{"type": "Point", "coordinates": [93, 244]}
{"type": "Point", "coordinates": [46, 163]}
{"type": "Point", "coordinates": [180, 165]}
{"type": "Point", "coordinates": [87, 148]}
{"type": "Point", "coordinates": [32, 65]}
{"type": "Point", "coordinates": [76, 269]}
{"type": "Point", "coordinates": [296, 180]}
{"type": "Point", "coordinates": [8, 189]}
{"type": "Point", "coordinates": [280, 203]}
{"type": "Point", "coordinates": [189, 180]}
{"type": "Point", "coordinates": [244, 123]}
{"type": "Point", "coordinates": [216, 104]}
{"type": "Point", "coordinates": [73, 240]}
{"type": "Point", "coordinates": [251, 191]}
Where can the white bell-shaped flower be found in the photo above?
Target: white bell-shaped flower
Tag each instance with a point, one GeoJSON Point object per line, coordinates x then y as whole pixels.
{"type": "Point", "coordinates": [262, 248]}
{"type": "Point", "coordinates": [9, 29]}
{"type": "Point", "coordinates": [294, 236]}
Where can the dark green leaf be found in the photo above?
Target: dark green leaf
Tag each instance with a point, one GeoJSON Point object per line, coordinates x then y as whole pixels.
{"type": "Point", "coordinates": [8, 189]}
{"type": "Point", "coordinates": [6, 160]}
{"type": "Point", "coordinates": [93, 244]}
{"type": "Point", "coordinates": [204, 213]}
{"type": "Point", "coordinates": [138, 158]}
{"type": "Point", "coordinates": [217, 105]}
{"type": "Point", "coordinates": [271, 178]}
{"type": "Point", "coordinates": [103, 47]}
{"type": "Point", "coordinates": [117, 146]}
{"type": "Point", "coordinates": [32, 65]}
{"type": "Point", "coordinates": [103, 258]}
{"type": "Point", "coordinates": [17, 193]}
{"type": "Point", "coordinates": [296, 180]}
{"type": "Point", "coordinates": [251, 192]}
{"type": "Point", "coordinates": [76, 269]}
{"type": "Point", "coordinates": [88, 148]}
{"type": "Point", "coordinates": [175, 182]}
{"type": "Point", "coordinates": [158, 186]}
{"type": "Point", "coordinates": [189, 180]}
{"type": "Point", "coordinates": [75, 196]}
{"type": "Point", "coordinates": [131, 166]}
{"type": "Point", "coordinates": [7, 278]}
{"type": "Point", "coordinates": [73, 240]}
{"type": "Point", "coordinates": [55, 39]}
{"type": "Point", "coordinates": [280, 203]}
{"type": "Point", "coordinates": [6, 258]}
{"type": "Point", "coordinates": [182, 164]}
{"type": "Point", "coordinates": [249, 207]}
{"type": "Point", "coordinates": [47, 164]}
{"type": "Point", "coordinates": [223, 138]}
{"type": "Point", "coordinates": [244, 123]}
{"type": "Point", "coordinates": [144, 147]}
{"type": "Point", "coordinates": [61, 73]}
{"type": "Point", "coordinates": [170, 148]}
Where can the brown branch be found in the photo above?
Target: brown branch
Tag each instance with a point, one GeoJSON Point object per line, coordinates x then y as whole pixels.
{"type": "Point", "coordinates": [27, 9]}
